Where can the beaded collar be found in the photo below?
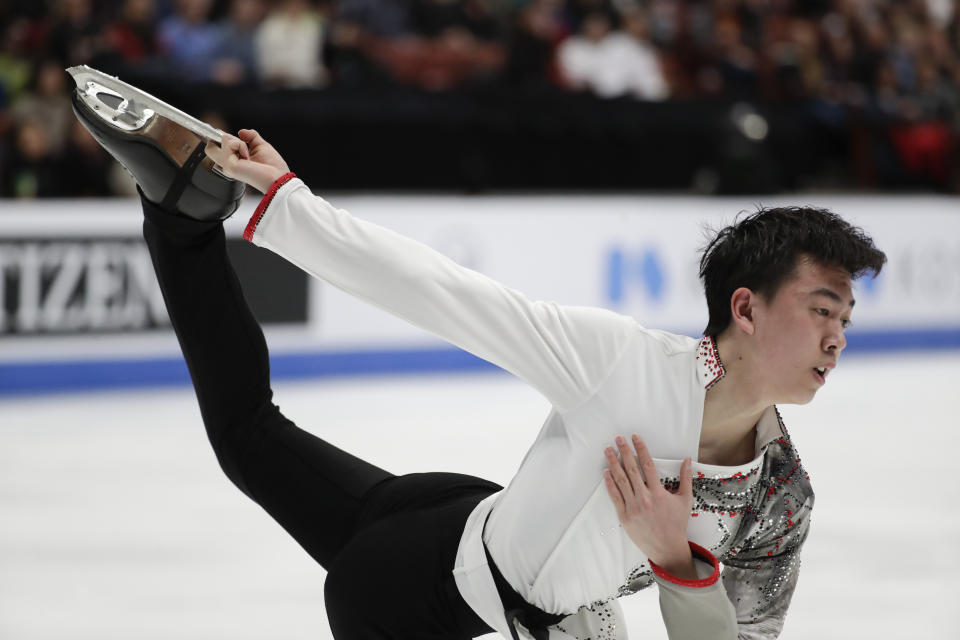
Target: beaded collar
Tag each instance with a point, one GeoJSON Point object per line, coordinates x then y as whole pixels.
{"type": "Point", "coordinates": [709, 367]}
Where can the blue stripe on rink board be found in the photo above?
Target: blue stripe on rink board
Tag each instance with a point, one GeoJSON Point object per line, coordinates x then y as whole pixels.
{"type": "Point", "coordinates": [23, 378]}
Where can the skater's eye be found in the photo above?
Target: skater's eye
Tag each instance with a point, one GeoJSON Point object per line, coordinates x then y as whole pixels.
{"type": "Point", "coordinates": [844, 322]}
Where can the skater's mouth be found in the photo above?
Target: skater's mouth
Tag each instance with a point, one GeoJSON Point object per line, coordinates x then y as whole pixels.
{"type": "Point", "coordinates": [820, 373]}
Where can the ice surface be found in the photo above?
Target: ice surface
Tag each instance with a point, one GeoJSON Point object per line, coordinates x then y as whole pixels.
{"type": "Point", "coordinates": [116, 522]}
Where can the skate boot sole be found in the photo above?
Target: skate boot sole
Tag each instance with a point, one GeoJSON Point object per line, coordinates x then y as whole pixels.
{"type": "Point", "coordinates": [168, 163]}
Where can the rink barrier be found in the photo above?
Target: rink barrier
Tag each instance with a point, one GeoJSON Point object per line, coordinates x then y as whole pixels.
{"type": "Point", "coordinates": [80, 308]}
{"type": "Point", "coordinates": [35, 378]}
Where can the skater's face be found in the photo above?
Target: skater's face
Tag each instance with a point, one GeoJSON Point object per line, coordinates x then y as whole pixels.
{"type": "Point", "coordinates": [799, 333]}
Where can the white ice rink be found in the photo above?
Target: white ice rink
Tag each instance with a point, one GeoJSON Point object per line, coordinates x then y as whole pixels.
{"type": "Point", "coordinates": [116, 522]}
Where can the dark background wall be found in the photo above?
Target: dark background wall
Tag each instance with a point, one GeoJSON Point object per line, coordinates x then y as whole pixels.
{"type": "Point", "coordinates": [712, 96]}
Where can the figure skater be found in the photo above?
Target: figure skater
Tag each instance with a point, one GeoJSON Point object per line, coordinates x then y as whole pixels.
{"type": "Point", "coordinates": [662, 457]}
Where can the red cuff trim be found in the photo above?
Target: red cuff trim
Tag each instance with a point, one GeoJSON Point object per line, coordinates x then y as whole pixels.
{"type": "Point", "coordinates": [700, 553]}
{"type": "Point", "coordinates": [264, 203]}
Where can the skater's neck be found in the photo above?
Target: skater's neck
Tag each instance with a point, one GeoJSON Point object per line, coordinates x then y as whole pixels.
{"type": "Point", "coordinates": [732, 407]}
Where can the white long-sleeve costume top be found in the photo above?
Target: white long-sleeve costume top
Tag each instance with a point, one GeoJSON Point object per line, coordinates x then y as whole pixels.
{"type": "Point", "coordinates": [553, 532]}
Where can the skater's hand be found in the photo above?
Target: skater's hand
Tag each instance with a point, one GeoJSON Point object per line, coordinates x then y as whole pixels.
{"type": "Point", "coordinates": [654, 519]}
{"type": "Point", "coordinates": [248, 158]}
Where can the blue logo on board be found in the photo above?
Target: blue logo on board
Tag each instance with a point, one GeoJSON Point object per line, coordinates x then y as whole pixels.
{"type": "Point", "coordinates": [643, 270]}
{"type": "Point", "coordinates": [868, 284]}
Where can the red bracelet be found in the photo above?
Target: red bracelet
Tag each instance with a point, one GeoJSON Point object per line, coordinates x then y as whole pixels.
{"type": "Point", "coordinates": [702, 554]}
{"type": "Point", "coordinates": [264, 203]}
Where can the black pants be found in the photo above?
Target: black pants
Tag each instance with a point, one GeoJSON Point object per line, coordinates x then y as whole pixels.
{"type": "Point", "coordinates": [388, 542]}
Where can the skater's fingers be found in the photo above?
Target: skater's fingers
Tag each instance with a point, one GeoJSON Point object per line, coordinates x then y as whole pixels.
{"type": "Point", "coordinates": [646, 463]}
{"type": "Point", "coordinates": [216, 152]}
{"type": "Point", "coordinates": [615, 495]}
{"type": "Point", "coordinates": [616, 470]}
{"type": "Point", "coordinates": [227, 161]}
{"type": "Point", "coordinates": [686, 479]}
{"type": "Point", "coordinates": [227, 139]}
{"type": "Point", "coordinates": [222, 155]}
{"type": "Point", "coordinates": [251, 137]}
{"type": "Point", "coordinates": [630, 466]}
{"type": "Point", "coordinates": [221, 151]}
{"type": "Point", "coordinates": [235, 146]}
{"type": "Point", "coordinates": [239, 161]}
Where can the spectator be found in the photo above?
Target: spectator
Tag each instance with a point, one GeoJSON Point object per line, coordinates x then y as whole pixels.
{"type": "Point", "coordinates": [576, 11]}
{"type": "Point", "coordinates": [132, 35]}
{"type": "Point", "coordinates": [47, 102]}
{"type": "Point", "coordinates": [434, 18]}
{"type": "Point", "coordinates": [793, 67]}
{"type": "Point", "coordinates": [379, 18]}
{"type": "Point", "coordinates": [941, 12]}
{"type": "Point", "coordinates": [188, 40]}
{"type": "Point", "coordinates": [430, 18]}
{"type": "Point", "coordinates": [31, 169]}
{"type": "Point", "coordinates": [841, 86]}
{"type": "Point", "coordinates": [74, 36]}
{"type": "Point", "coordinates": [357, 32]}
{"type": "Point", "coordinates": [953, 34]}
{"type": "Point", "coordinates": [937, 50]}
{"type": "Point", "coordinates": [733, 62]}
{"type": "Point", "coordinates": [26, 9]}
{"type": "Point", "coordinates": [289, 46]}
{"type": "Point", "coordinates": [581, 56]}
{"type": "Point", "coordinates": [886, 101]}
{"type": "Point", "coordinates": [454, 42]}
{"type": "Point", "coordinates": [480, 20]}
{"type": "Point", "coordinates": [872, 52]}
{"type": "Point", "coordinates": [906, 46]}
{"type": "Point", "coordinates": [15, 67]}
{"type": "Point", "coordinates": [935, 97]}
{"type": "Point", "coordinates": [537, 30]}
{"type": "Point", "coordinates": [925, 142]}
{"type": "Point", "coordinates": [235, 60]}
{"type": "Point", "coordinates": [613, 63]}
{"type": "Point", "coordinates": [666, 22]}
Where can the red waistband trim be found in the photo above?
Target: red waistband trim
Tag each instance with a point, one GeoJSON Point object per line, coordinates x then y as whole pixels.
{"type": "Point", "coordinates": [702, 554]}
{"type": "Point", "coordinates": [264, 203]}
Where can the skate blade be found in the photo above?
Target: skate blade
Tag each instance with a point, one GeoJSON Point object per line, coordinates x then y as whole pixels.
{"type": "Point", "coordinates": [129, 109]}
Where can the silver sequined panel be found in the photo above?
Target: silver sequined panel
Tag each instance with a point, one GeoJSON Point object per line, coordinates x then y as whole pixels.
{"type": "Point", "coordinates": [770, 509]}
{"type": "Point", "coordinates": [761, 567]}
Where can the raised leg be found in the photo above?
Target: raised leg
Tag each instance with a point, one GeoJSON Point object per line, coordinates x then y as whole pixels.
{"type": "Point", "coordinates": [311, 488]}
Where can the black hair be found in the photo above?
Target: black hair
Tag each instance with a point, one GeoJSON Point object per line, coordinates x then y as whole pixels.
{"type": "Point", "coordinates": [760, 250]}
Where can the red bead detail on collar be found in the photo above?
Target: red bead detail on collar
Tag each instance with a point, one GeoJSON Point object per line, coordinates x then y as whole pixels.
{"type": "Point", "coordinates": [264, 203]}
{"type": "Point", "coordinates": [707, 352]}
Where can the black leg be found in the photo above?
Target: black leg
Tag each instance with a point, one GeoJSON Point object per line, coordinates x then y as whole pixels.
{"type": "Point", "coordinates": [310, 487]}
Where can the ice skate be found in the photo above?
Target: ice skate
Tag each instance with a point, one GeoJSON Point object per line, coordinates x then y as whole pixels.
{"type": "Point", "coordinates": [161, 146]}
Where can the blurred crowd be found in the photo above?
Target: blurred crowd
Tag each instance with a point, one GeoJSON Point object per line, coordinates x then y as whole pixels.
{"type": "Point", "coordinates": [858, 65]}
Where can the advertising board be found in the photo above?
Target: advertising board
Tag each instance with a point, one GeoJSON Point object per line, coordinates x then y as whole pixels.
{"type": "Point", "coordinates": [80, 302]}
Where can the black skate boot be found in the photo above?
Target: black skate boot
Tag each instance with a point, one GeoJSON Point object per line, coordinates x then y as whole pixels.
{"type": "Point", "coordinates": [164, 157]}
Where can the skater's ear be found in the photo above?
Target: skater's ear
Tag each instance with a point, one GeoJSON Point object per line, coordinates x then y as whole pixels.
{"type": "Point", "coordinates": [742, 305]}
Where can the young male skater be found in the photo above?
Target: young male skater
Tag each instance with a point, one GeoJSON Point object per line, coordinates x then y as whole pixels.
{"type": "Point", "coordinates": [439, 555]}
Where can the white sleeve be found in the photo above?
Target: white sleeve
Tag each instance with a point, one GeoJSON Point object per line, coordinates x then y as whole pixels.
{"type": "Point", "coordinates": [564, 352]}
